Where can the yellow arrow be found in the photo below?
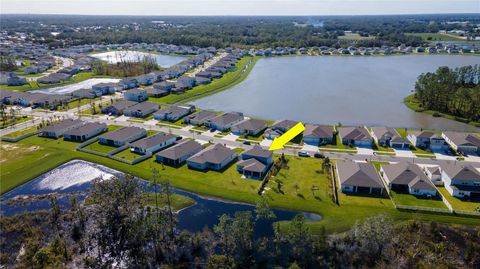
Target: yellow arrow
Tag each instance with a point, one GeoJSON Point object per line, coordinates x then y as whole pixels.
{"type": "Point", "coordinates": [278, 142]}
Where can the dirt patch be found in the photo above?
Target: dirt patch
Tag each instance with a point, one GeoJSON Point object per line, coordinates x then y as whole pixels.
{"type": "Point", "coordinates": [10, 150]}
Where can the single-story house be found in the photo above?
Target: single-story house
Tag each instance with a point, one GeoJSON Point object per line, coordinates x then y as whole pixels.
{"type": "Point", "coordinates": [154, 92]}
{"type": "Point", "coordinates": [355, 177]}
{"type": "Point", "coordinates": [255, 163]}
{"type": "Point", "coordinates": [407, 177]}
{"type": "Point", "coordinates": [106, 88]}
{"type": "Point", "coordinates": [427, 140]}
{"type": "Point", "coordinates": [317, 135]}
{"type": "Point", "coordinates": [85, 93]}
{"type": "Point", "coordinates": [58, 129]}
{"type": "Point", "coordinates": [279, 128]}
{"type": "Point", "coordinates": [178, 153]}
{"type": "Point", "coordinates": [174, 113]}
{"type": "Point", "coordinates": [118, 108]}
{"type": "Point", "coordinates": [190, 81]}
{"type": "Point", "coordinates": [164, 85]}
{"type": "Point", "coordinates": [202, 80]}
{"type": "Point", "coordinates": [85, 132]}
{"type": "Point", "coordinates": [215, 157]}
{"type": "Point", "coordinates": [224, 121]}
{"type": "Point", "coordinates": [54, 78]}
{"type": "Point", "coordinates": [11, 79]}
{"type": "Point", "coordinates": [463, 142]}
{"type": "Point", "coordinates": [250, 127]}
{"type": "Point", "coordinates": [200, 118]}
{"type": "Point", "coordinates": [153, 143]}
{"type": "Point", "coordinates": [389, 137]}
{"type": "Point", "coordinates": [136, 95]}
{"type": "Point", "coordinates": [122, 136]}
{"type": "Point", "coordinates": [461, 180]}
{"type": "Point", "coordinates": [128, 83]}
{"type": "Point", "coordinates": [357, 136]}
{"type": "Point", "coordinates": [141, 110]}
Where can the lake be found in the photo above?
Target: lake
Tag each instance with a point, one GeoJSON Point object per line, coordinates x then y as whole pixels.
{"type": "Point", "coordinates": [75, 177]}
{"type": "Point", "coordinates": [351, 90]}
{"type": "Point", "coordinates": [136, 56]}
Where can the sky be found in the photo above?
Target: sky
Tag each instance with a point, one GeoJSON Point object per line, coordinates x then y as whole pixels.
{"type": "Point", "coordinates": [238, 7]}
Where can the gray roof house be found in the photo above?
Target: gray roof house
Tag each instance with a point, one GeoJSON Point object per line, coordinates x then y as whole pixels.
{"type": "Point", "coordinates": [141, 110]}
{"type": "Point", "coordinates": [215, 157]}
{"type": "Point", "coordinates": [200, 118]}
{"type": "Point", "coordinates": [164, 85]}
{"type": "Point", "coordinates": [317, 134]}
{"type": "Point", "coordinates": [136, 95]}
{"type": "Point", "coordinates": [389, 137]}
{"type": "Point", "coordinates": [118, 107]}
{"type": "Point", "coordinates": [408, 177]}
{"type": "Point", "coordinates": [357, 136]}
{"type": "Point", "coordinates": [249, 127]}
{"type": "Point", "coordinates": [58, 129]}
{"type": "Point", "coordinates": [224, 121]}
{"type": "Point", "coordinates": [463, 142]}
{"type": "Point", "coordinates": [154, 92]}
{"type": "Point", "coordinates": [427, 140]}
{"type": "Point", "coordinates": [174, 113]}
{"type": "Point", "coordinates": [153, 143]}
{"type": "Point", "coordinates": [178, 153]}
{"type": "Point", "coordinates": [461, 180]}
{"type": "Point", "coordinates": [122, 136]}
{"type": "Point", "coordinates": [84, 132]}
{"type": "Point", "coordinates": [358, 178]}
{"type": "Point", "coordinates": [255, 162]}
{"type": "Point", "coordinates": [279, 128]}
{"type": "Point", "coordinates": [106, 88]}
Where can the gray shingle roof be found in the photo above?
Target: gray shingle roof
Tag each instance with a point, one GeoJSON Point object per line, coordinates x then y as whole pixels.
{"type": "Point", "coordinates": [214, 154]}
{"type": "Point", "coordinates": [355, 133]}
{"type": "Point", "coordinates": [258, 151]}
{"type": "Point", "coordinates": [180, 149]}
{"type": "Point", "coordinates": [358, 174]}
{"type": "Point", "coordinates": [320, 131]}
{"type": "Point", "coordinates": [62, 125]}
{"type": "Point", "coordinates": [86, 128]}
{"type": "Point", "coordinates": [463, 139]}
{"type": "Point", "coordinates": [227, 118]}
{"type": "Point", "coordinates": [406, 174]}
{"type": "Point", "coordinates": [123, 134]}
{"type": "Point", "coordinates": [251, 124]}
{"type": "Point", "coordinates": [464, 172]}
{"type": "Point", "coordinates": [252, 165]}
{"type": "Point", "coordinates": [151, 141]}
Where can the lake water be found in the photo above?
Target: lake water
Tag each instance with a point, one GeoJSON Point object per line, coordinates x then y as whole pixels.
{"type": "Point", "coordinates": [75, 177]}
{"type": "Point", "coordinates": [136, 56]}
{"type": "Point", "coordinates": [86, 84]}
{"type": "Point", "coordinates": [350, 90]}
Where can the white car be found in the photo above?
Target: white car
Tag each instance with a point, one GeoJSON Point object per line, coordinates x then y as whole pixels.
{"type": "Point", "coordinates": [303, 154]}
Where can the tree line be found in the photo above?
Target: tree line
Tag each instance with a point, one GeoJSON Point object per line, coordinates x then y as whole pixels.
{"type": "Point", "coordinates": [113, 229]}
{"type": "Point", "coordinates": [451, 91]}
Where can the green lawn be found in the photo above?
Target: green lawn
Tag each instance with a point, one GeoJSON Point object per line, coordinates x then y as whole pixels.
{"type": "Point", "coordinates": [458, 204]}
{"type": "Point", "coordinates": [177, 201]}
{"type": "Point", "coordinates": [435, 36]}
{"type": "Point", "coordinates": [412, 200]}
{"type": "Point", "coordinates": [228, 80]}
{"type": "Point", "coordinates": [10, 121]}
{"type": "Point", "coordinates": [35, 156]}
{"type": "Point", "coordinates": [21, 132]}
{"type": "Point", "coordinates": [127, 155]}
{"type": "Point", "coordinates": [99, 147]}
{"type": "Point", "coordinates": [77, 103]}
{"type": "Point", "coordinates": [355, 37]}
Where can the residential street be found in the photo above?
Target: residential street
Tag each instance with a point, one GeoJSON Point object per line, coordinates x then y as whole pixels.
{"type": "Point", "coordinates": [229, 140]}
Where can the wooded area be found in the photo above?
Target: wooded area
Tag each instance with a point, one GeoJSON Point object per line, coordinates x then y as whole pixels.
{"type": "Point", "coordinates": [452, 91]}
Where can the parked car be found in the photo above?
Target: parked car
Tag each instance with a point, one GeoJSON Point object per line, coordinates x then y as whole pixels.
{"type": "Point", "coordinates": [319, 155]}
{"type": "Point", "coordinates": [303, 154]}
{"type": "Point", "coordinates": [247, 143]}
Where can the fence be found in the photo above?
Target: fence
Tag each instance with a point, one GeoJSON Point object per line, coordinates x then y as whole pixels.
{"type": "Point", "coordinates": [423, 209]}
{"type": "Point", "coordinates": [18, 138]}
